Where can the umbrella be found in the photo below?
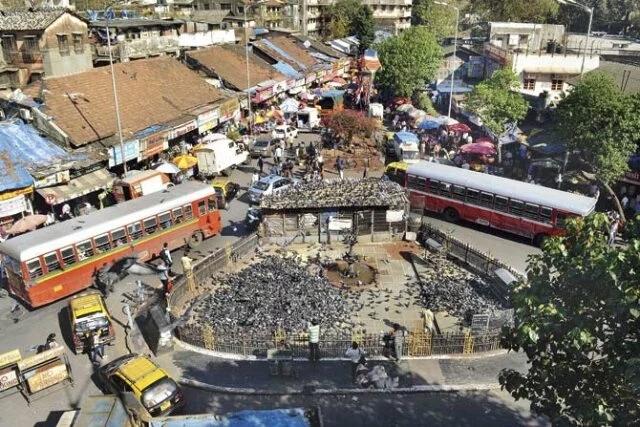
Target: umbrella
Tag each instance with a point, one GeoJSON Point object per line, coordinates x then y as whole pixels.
{"type": "Point", "coordinates": [259, 120]}
{"type": "Point", "coordinates": [169, 168]}
{"type": "Point", "coordinates": [185, 161]}
{"type": "Point", "coordinates": [428, 124]}
{"type": "Point", "coordinates": [404, 108]}
{"type": "Point", "coordinates": [27, 223]}
{"type": "Point", "coordinates": [483, 139]}
{"type": "Point", "coordinates": [339, 80]}
{"type": "Point", "coordinates": [274, 113]}
{"type": "Point", "coordinates": [485, 148]}
{"type": "Point", "coordinates": [459, 127]}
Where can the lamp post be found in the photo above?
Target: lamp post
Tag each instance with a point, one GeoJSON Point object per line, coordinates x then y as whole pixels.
{"type": "Point", "coordinates": [246, 52]}
{"type": "Point", "coordinates": [115, 90]}
{"type": "Point", "coordinates": [586, 44]}
{"type": "Point", "coordinates": [455, 45]}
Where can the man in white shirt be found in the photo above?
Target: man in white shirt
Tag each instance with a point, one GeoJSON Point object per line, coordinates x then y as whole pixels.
{"type": "Point", "coordinates": [355, 355]}
{"type": "Point", "coordinates": [277, 156]}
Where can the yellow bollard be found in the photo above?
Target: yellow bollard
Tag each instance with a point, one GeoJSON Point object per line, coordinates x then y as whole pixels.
{"type": "Point", "coordinates": [207, 337]}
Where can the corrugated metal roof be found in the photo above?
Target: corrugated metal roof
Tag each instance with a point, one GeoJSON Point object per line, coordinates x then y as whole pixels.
{"type": "Point", "coordinates": [286, 69]}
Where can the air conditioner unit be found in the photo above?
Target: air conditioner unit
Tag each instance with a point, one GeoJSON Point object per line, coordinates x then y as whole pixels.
{"type": "Point", "coordinates": [25, 114]}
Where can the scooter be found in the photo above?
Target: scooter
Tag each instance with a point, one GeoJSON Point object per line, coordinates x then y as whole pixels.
{"type": "Point", "coordinates": [253, 219]}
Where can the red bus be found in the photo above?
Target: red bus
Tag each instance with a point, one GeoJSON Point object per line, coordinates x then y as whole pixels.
{"type": "Point", "coordinates": [53, 262]}
{"type": "Point", "coordinates": [517, 207]}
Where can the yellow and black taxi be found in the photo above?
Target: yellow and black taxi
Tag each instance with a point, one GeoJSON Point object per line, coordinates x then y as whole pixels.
{"type": "Point", "coordinates": [225, 191]}
{"type": "Point", "coordinates": [157, 391]}
{"type": "Point", "coordinates": [396, 172]}
{"type": "Point", "coordinates": [88, 314]}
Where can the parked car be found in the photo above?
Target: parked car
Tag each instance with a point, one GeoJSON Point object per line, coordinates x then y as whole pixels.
{"type": "Point", "coordinates": [88, 313]}
{"type": "Point", "coordinates": [284, 131]}
{"type": "Point", "coordinates": [268, 185]}
{"type": "Point", "coordinates": [264, 147]}
{"type": "Point", "coordinates": [156, 390]}
{"type": "Point", "coordinates": [225, 191]}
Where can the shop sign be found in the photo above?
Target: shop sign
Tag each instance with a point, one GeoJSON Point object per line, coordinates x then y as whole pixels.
{"type": "Point", "coordinates": [11, 194]}
{"type": "Point", "coordinates": [279, 87]}
{"type": "Point", "coordinates": [10, 357]}
{"type": "Point", "coordinates": [8, 378]}
{"type": "Point", "coordinates": [131, 151]}
{"type": "Point", "coordinates": [208, 120]}
{"type": "Point", "coordinates": [53, 179]}
{"type": "Point", "coordinates": [46, 376]}
{"type": "Point", "coordinates": [183, 129]}
{"type": "Point", "coordinates": [320, 74]}
{"type": "Point", "coordinates": [310, 78]}
{"type": "Point", "coordinates": [154, 144]}
{"type": "Point", "coordinates": [228, 109]}
{"type": "Point", "coordinates": [37, 359]}
{"type": "Point", "coordinates": [291, 84]}
{"type": "Point", "coordinates": [264, 94]}
{"type": "Point", "coordinates": [300, 82]}
{"type": "Point", "coordinates": [13, 206]}
{"type": "Point", "coordinates": [632, 177]}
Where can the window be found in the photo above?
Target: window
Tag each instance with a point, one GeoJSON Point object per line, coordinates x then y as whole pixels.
{"type": "Point", "coordinates": [63, 44]}
{"type": "Point", "coordinates": [556, 84]}
{"type": "Point", "coordinates": [486, 200]}
{"type": "Point", "coordinates": [531, 211]}
{"type": "Point", "coordinates": [51, 261]}
{"type": "Point", "coordinates": [417, 182]}
{"type": "Point", "coordinates": [150, 225]}
{"type": "Point", "coordinates": [445, 189]}
{"type": "Point", "coordinates": [35, 268]}
{"type": "Point", "coordinates": [120, 384]}
{"type": "Point", "coordinates": [515, 207]}
{"type": "Point", "coordinates": [102, 243]}
{"type": "Point", "coordinates": [561, 220]}
{"type": "Point", "coordinates": [119, 237]}
{"type": "Point", "coordinates": [545, 214]}
{"type": "Point", "coordinates": [85, 250]}
{"type": "Point", "coordinates": [31, 49]}
{"type": "Point", "coordinates": [202, 209]}
{"type": "Point", "coordinates": [473, 196]}
{"type": "Point", "coordinates": [434, 186]}
{"type": "Point", "coordinates": [9, 48]}
{"type": "Point", "coordinates": [212, 204]}
{"type": "Point", "coordinates": [399, 176]}
{"type": "Point", "coordinates": [458, 192]}
{"type": "Point", "coordinates": [501, 204]}
{"type": "Point", "coordinates": [165, 219]}
{"type": "Point", "coordinates": [134, 230]}
{"type": "Point", "coordinates": [177, 215]}
{"type": "Point", "coordinates": [78, 45]}
{"type": "Point", "coordinates": [68, 255]}
{"type": "Point", "coordinates": [529, 84]}
{"type": "Point", "coordinates": [188, 212]}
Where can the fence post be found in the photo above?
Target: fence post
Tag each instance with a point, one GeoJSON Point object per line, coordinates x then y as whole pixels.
{"type": "Point", "coordinates": [207, 337]}
{"type": "Point", "coordinates": [284, 222]}
{"type": "Point", "coordinates": [373, 211]}
{"type": "Point", "coordinates": [468, 343]}
{"type": "Point", "coordinates": [466, 255]}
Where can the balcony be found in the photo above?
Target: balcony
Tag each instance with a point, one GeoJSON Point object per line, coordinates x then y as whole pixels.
{"type": "Point", "coordinates": [141, 48]}
{"type": "Point", "coordinates": [387, 2]}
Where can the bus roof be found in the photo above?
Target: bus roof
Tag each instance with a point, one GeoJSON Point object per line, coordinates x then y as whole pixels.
{"type": "Point", "coordinates": [78, 229]}
{"type": "Point", "coordinates": [531, 193]}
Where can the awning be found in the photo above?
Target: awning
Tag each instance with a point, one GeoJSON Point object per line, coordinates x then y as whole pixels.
{"type": "Point", "coordinates": [85, 184]}
{"type": "Point", "coordinates": [551, 70]}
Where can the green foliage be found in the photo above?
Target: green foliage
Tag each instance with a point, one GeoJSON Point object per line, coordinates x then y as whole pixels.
{"type": "Point", "coordinates": [422, 101]}
{"type": "Point", "coordinates": [364, 27]}
{"type": "Point", "coordinates": [496, 101]}
{"type": "Point", "coordinates": [349, 123]}
{"type": "Point", "coordinates": [440, 20]}
{"type": "Point", "coordinates": [409, 61]}
{"type": "Point", "coordinates": [348, 18]}
{"type": "Point", "coordinates": [601, 122]}
{"type": "Point", "coordinates": [233, 135]}
{"type": "Point", "coordinates": [539, 11]}
{"type": "Point", "coordinates": [578, 322]}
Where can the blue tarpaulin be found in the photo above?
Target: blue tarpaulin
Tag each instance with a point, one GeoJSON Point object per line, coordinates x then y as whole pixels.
{"type": "Point", "coordinates": [22, 148]}
{"type": "Point", "coordinates": [405, 137]}
{"type": "Point", "coordinates": [287, 70]}
{"type": "Point", "coordinates": [269, 418]}
{"type": "Point", "coordinates": [283, 53]}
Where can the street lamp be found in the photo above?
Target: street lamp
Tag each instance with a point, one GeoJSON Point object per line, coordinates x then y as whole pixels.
{"type": "Point", "coordinates": [115, 91]}
{"type": "Point", "coordinates": [587, 9]}
{"type": "Point", "coordinates": [455, 45]}
{"type": "Point", "coordinates": [246, 52]}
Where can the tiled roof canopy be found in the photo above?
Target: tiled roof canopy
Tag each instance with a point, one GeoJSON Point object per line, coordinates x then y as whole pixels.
{"type": "Point", "coordinates": [26, 19]}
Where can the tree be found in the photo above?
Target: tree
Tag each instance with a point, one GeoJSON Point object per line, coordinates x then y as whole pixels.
{"type": "Point", "coordinates": [539, 11]}
{"type": "Point", "coordinates": [578, 321]}
{"type": "Point", "coordinates": [602, 124]}
{"type": "Point", "coordinates": [497, 102]}
{"type": "Point", "coordinates": [364, 27]}
{"type": "Point", "coordinates": [409, 61]}
{"type": "Point", "coordinates": [348, 124]}
{"type": "Point", "coordinates": [440, 20]}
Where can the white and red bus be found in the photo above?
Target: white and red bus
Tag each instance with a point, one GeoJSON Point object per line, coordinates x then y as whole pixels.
{"type": "Point", "coordinates": [53, 262]}
{"type": "Point", "coordinates": [517, 207]}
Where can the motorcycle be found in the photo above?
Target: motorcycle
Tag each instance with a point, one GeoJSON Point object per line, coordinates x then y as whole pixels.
{"type": "Point", "coordinates": [253, 219]}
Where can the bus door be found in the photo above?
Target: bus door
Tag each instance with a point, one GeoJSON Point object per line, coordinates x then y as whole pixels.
{"type": "Point", "coordinates": [511, 220]}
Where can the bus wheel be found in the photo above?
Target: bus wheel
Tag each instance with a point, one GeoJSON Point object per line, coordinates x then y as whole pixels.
{"type": "Point", "coordinates": [451, 215]}
{"type": "Point", "coordinates": [539, 239]}
{"type": "Point", "coordinates": [195, 240]}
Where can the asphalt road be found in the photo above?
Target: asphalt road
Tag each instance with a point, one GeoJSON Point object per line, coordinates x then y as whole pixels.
{"type": "Point", "coordinates": [34, 326]}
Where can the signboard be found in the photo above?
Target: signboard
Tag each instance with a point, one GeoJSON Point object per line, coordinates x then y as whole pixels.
{"type": "Point", "coordinates": [310, 78]}
{"type": "Point", "coordinates": [291, 84]}
{"type": "Point", "coordinates": [11, 194]}
{"type": "Point", "coordinates": [395, 216]}
{"type": "Point", "coordinates": [300, 83]}
{"type": "Point", "coordinates": [131, 151]}
{"type": "Point", "coordinates": [208, 120]}
{"type": "Point", "coordinates": [10, 357]}
{"type": "Point", "coordinates": [320, 74]}
{"type": "Point", "coordinates": [263, 94]}
{"type": "Point", "coordinates": [279, 87]}
{"type": "Point", "coordinates": [155, 144]}
{"type": "Point", "coordinates": [336, 224]}
{"type": "Point", "coordinates": [39, 358]}
{"type": "Point", "coordinates": [46, 376]}
{"type": "Point", "coordinates": [228, 109]}
{"type": "Point", "coordinates": [8, 378]}
{"type": "Point", "coordinates": [183, 129]}
{"type": "Point", "coordinates": [53, 179]}
{"type": "Point", "coordinates": [13, 206]}
{"type": "Point", "coordinates": [632, 177]}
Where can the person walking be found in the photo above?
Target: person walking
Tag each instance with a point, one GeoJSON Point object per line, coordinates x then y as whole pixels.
{"type": "Point", "coordinates": [255, 177]}
{"type": "Point", "coordinates": [165, 254]}
{"type": "Point", "coordinates": [186, 262]}
{"type": "Point", "coordinates": [51, 342]}
{"type": "Point", "coordinates": [314, 340]}
{"type": "Point", "coordinates": [96, 346]}
{"type": "Point", "coordinates": [340, 166]}
{"type": "Point", "coordinates": [163, 272]}
{"type": "Point", "coordinates": [613, 228]}
{"type": "Point", "coordinates": [356, 356]}
{"type": "Point", "coordinates": [261, 164]}
{"type": "Point", "coordinates": [398, 341]}
{"type": "Point", "coordinates": [277, 156]}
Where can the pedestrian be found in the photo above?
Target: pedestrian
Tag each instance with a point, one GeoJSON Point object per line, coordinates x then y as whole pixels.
{"type": "Point", "coordinates": [277, 156]}
{"type": "Point", "coordinates": [314, 340]}
{"type": "Point", "coordinates": [365, 172]}
{"type": "Point", "coordinates": [273, 170]}
{"type": "Point", "coordinates": [613, 228]}
{"type": "Point", "coordinates": [356, 356]}
{"type": "Point", "coordinates": [320, 161]}
{"type": "Point", "coordinates": [66, 212]}
{"type": "Point", "coordinates": [96, 346]}
{"type": "Point", "coordinates": [274, 134]}
{"type": "Point", "coordinates": [261, 164]}
{"type": "Point", "coordinates": [165, 279]}
{"type": "Point", "coordinates": [186, 263]}
{"type": "Point", "coordinates": [398, 340]}
{"type": "Point", "coordinates": [340, 166]}
{"type": "Point", "coordinates": [51, 342]}
{"type": "Point", "coordinates": [165, 254]}
{"type": "Point", "coordinates": [255, 177]}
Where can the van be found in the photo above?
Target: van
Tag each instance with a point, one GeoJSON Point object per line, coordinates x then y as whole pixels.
{"type": "Point", "coordinates": [308, 119]}
{"type": "Point", "coordinates": [139, 183]}
{"type": "Point", "coordinates": [88, 314]}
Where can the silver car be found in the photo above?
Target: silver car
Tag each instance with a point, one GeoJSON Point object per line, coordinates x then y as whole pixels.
{"type": "Point", "coordinates": [268, 185]}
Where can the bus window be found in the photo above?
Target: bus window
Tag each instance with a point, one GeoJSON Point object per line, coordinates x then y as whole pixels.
{"type": "Point", "coordinates": [545, 214]}
{"type": "Point", "coordinates": [531, 211]}
{"type": "Point", "coordinates": [188, 212]}
{"type": "Point", "coordinates": [34, 268]}
{"type": "Point", "coordinates": [472, 196]}
{"type": "Point", "coordinates": [486, 200]}
{"type": "Point", "coordinates": [150, 225]}
{"type": "Point", "coordinates": [177, 215]}
{"type": "Point", "coordinates": [68, 255]}
{"type": "Point", "coordinates": [165, 219]}
{"type": "Point", "coordinates": [458, 192]}
{"type": "Point", "coordinates": [445, 189]}
{"type": "Point", "coordinates": [102, 243]}
{"type": "Point", "coordinates": [417, 182]}
{"type": "Point", "coordinates": [212, 204]}
{"type": "Point", "coordinates": [201, 208]}
{"type": "Point", "coordinates": [51, 261]}
{"type": "Point", "coordinates": [434, 186]}
{"type": "Point", "coordinates": [134, 230]}
{"type": "Point", "coordinates": [119, 237]}
{"type": "Point", "coordinates": [501, 204]}
{"type": "Point", "coordinates": [84, 249]}
{"type": "Point", "coordinates": [515, 207]}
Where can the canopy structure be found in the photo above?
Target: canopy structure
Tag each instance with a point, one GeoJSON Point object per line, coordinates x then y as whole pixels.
{"type": "Point", "coordinates": [289, 105]}
{"type": "Point", "coordinates": [428, 124]}
{"type": "Point", "coordinates": [459, 127]}
{"type": "Point", "coordinates": [185, 161]}
{"type": "Point", "coordinates": [77, 187]}
{"type": "Point", "coordinates": [168, 168]}
{"type": "Point", "coordinates": [485, 147]}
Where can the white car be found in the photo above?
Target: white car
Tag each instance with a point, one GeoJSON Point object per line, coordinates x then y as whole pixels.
{"type": "Point", "coordinates": [284, 131]}
{"type": "Point", "coordinates": [268, 185]}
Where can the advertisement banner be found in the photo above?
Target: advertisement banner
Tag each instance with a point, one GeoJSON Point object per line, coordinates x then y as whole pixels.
{"type": "Point", "coordinates": [208, 120]}
{"type": "Point", "coordinates": [13, 206]}
{"type": "Point", "coordinates": [183, 129]}
{"type": "Point", "coordinates": [154, 144]}
{"type": "Point", "coordinates": [10, 357]}
{"type": "Point", "coordinates": [53, 179]}
{"type": "Point", "coordinates": [310, 78]}
{"type": "Point", "coordinates": [11, 194]}
{"type": "Point", "coordinates": [291, 84]}
{"type": "Point", "coordinates": [131, 151]}
{"type": "Point", "coordinates": [279, 87]}
{"type": "Point", "coordinates": [300, 82]}
{"type": "Point", "coordinates": [228, 109]}
{"type": "Point", "coordinates": [36, 359]}
{"type": "Point", "coordinates": [46, 376]}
